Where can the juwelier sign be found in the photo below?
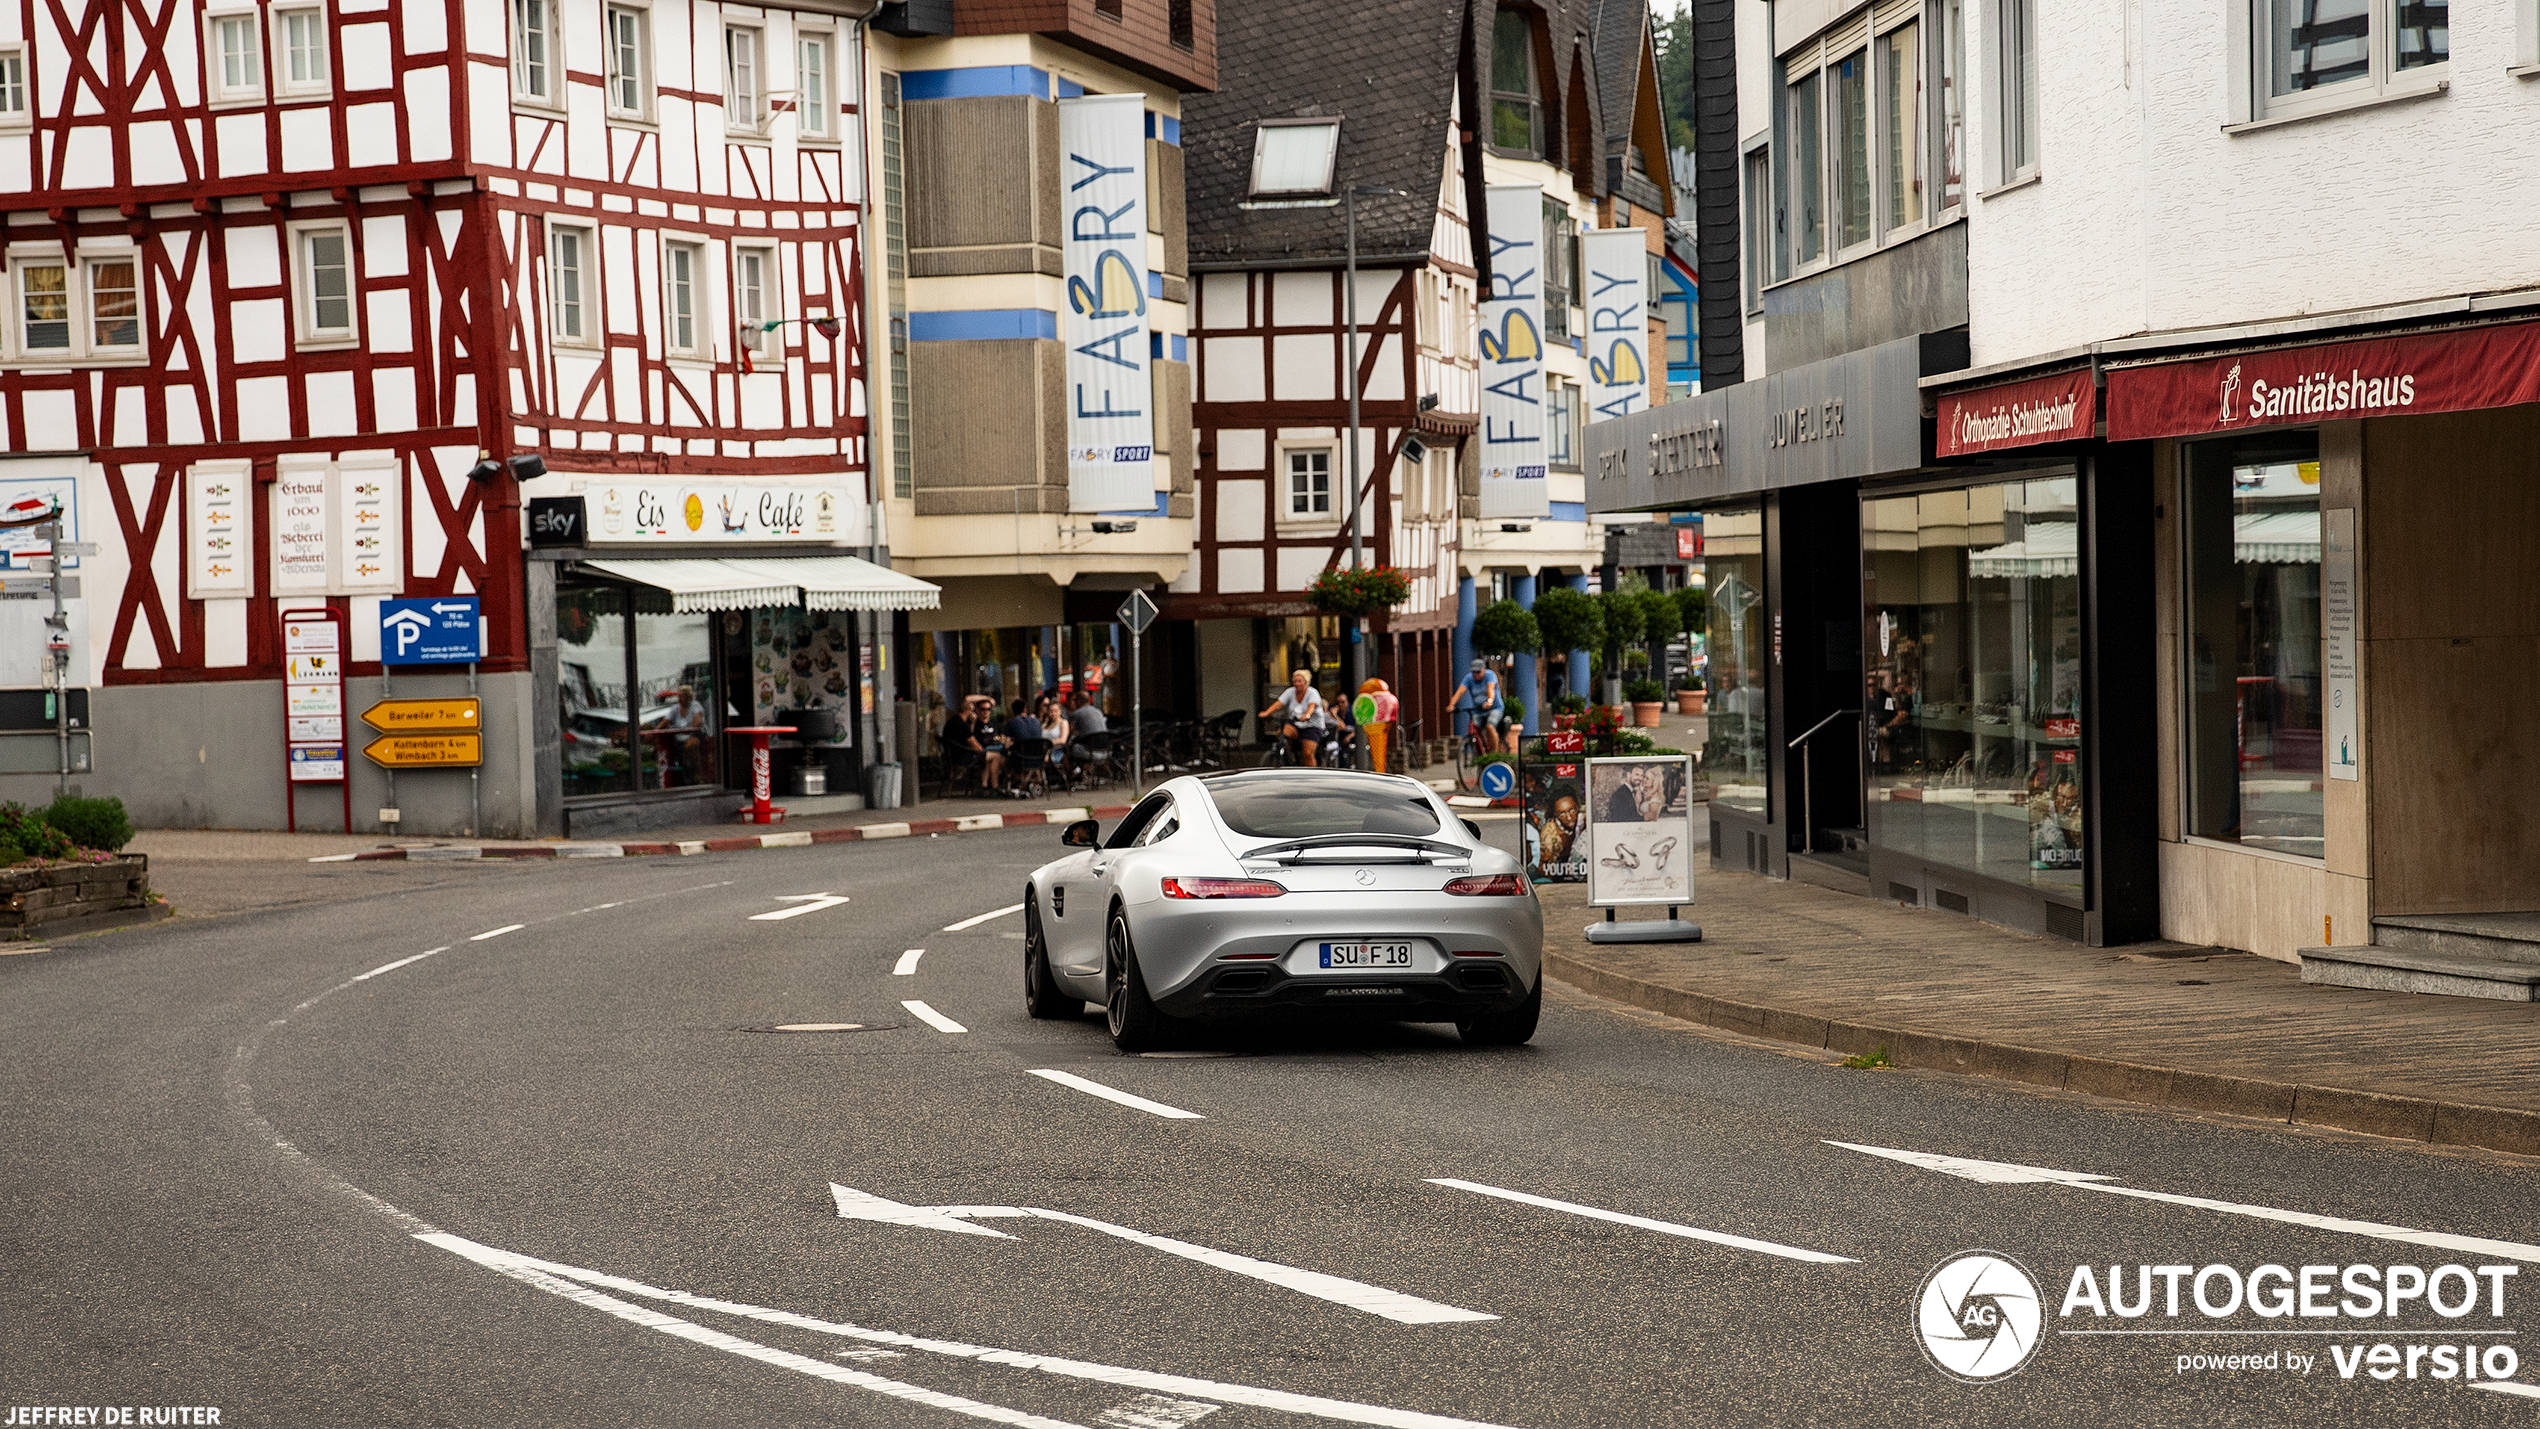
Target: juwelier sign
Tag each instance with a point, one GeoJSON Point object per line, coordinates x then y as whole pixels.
{"type": "Point", "coordinates": [1110, 416]}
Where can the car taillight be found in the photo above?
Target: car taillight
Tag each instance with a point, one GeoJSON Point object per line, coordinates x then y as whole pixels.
{"type": "Point", "coordinates": [1488, 885]}
{"type": "Point", "coordinates": [1221, 888]}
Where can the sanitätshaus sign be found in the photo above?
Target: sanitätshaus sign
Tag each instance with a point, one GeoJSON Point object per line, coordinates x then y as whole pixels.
{"type": "Point", "coordinates": [2459, 371]}
{"type": "Point", "coordinates": [1110, 407]}
{"type": "Point", "coordinates": [2058, 408]}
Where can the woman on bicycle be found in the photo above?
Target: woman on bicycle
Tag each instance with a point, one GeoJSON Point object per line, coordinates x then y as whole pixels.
{"type": "Point", "coordinates": [1301, 714]}
{"type": "Point", "coordinates": [1480, 693]}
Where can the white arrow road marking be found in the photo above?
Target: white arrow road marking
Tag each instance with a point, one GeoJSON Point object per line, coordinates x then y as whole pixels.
{"type": "Point", "coordinates": [1070, 1079]}
{"type": "Point", "coordinates": [1223, 1393]}
{"type": "Point", "coordinates": [803, 903]}
{"type": "Point", "coordinates": [982, 918]}
{"type": "Point", "coordinates": [1667, 1227]}
{"type": "Point", "coordinates": [932, 1018]}
{"type": "Point", "coordinates": [498, 932]}
{"type": "Point", "coordinates": [2006, 1173]}
{"type": "Point", "coordinates": [1388, 1304]}
{"type": "Point", "coordinates": [907, 965]}
{"type": "Point", "coordinates": [1154, 1411]}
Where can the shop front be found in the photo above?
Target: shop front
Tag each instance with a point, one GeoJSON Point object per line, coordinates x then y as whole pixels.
{"type": "Point", "coordinates": [691, 609]}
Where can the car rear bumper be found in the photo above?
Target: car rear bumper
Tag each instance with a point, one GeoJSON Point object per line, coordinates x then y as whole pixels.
{"type": "Point", "coordinates": [1469, 988]}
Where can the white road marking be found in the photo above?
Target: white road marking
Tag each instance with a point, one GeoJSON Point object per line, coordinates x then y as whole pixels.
{"type": "Point", "coordinates": [335, 858]}
{"type": "Point", "coordinates": [498, 932]}
{"type": "Point", "coordinates": [907, 965]}
{"type": "Point", "coordinates": [1375, 1300]}
{"type": "Point", "coordinates": [803, 903]}
{"type": "Point", "coordinates": [869, 1354]}
{"type": "Point", "coordinates": [2526, 1391]}
{"type": "Point", "coordinates": [1070, 1079]}
{"type": "Point", "coordinates": [982, 918]}
{"type": "Point", "coordinates": [1252, 1396]}
{"type": "Point", "coordinates": [2006, 1173]}
{"type": "Point", "coordinates": [401, 962]}
{"type": "Point", "coordinates": [733, 1344]}
{"type": "Point", "coordinates": [932, 1018]}
{"type": "Point", "coordinates": [1790, 1252]}
{"type": "Point", "coordinates": [1154, 1411]}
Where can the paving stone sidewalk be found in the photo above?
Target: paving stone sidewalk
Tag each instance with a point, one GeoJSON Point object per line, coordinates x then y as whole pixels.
{"type": "Point", "coordinates": [2201, 1029]}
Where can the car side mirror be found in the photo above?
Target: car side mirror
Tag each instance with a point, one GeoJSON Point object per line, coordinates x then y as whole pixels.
{"type": "Point", "coordinates": [1472, 828]}
{"type": "Point", "coordinates": [1084, 833]}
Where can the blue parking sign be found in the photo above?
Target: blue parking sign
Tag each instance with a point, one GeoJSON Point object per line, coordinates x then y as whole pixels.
{"type": "Point", "coordinates": [435, 630]}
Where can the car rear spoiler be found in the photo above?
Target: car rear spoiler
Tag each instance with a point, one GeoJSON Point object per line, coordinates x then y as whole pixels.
{"type": "Point", "coordinates": [1296, 850]}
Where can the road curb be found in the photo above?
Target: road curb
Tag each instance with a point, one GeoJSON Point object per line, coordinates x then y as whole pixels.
{"type": "Point", "coordinates": [799, 838]}
{"type": "Point", "coordinates": [2345, 1109]}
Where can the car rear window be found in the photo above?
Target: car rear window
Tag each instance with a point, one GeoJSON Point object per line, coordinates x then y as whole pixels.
{"type": "Point", "coordinates": [1300, 806]}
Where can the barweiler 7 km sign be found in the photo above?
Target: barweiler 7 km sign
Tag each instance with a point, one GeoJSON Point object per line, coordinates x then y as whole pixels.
{"type": "Point", "coordinates": [427, 733]}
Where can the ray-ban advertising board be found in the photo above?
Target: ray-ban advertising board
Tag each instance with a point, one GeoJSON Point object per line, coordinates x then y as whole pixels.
{"type": "Point", "coordinates": [1639, 830]}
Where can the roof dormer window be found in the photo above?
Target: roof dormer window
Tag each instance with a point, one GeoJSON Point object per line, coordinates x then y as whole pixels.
{"type": "Point", "coordinates": [1293, 158]}
{"type": "Point", "coordinates": [1516, 107]}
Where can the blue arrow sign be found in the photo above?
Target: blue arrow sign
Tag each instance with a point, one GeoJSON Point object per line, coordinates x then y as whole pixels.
{"type": "Point", "coordinates": [1499, 780]}
{"type": "Point", "coordinates": [435, 630]}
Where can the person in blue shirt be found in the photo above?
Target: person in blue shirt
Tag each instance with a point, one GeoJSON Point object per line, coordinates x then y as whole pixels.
{"type": "Point", "coordinates": [1479, 692]}
{"type": "Point", "coordinates": [1023, 725]}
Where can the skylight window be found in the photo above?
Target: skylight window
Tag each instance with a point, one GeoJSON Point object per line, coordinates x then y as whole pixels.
{"type": "Point", "coordinates": [1294, 156]}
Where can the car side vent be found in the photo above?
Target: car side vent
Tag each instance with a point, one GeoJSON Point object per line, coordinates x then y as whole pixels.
{"type": "Point", "coordinates": [2063, 922]}
{"type": "Point", "coordinates": [1905, 893]}
{"type": "Point", "coordinates": [1954, 902]}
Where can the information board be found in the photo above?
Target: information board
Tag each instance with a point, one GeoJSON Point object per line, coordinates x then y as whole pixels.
{"type": "Point", "coordinates": [1640, 830]}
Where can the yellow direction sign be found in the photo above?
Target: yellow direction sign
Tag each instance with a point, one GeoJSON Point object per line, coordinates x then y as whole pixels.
{"type": "Point", "coordinates": [457, 713]}
{"type": "Point", "coordinates": [426, 751]}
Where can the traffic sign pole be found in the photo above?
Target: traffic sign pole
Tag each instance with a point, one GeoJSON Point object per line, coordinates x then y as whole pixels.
{"type": "Point", "coordinates": [1137, 612]}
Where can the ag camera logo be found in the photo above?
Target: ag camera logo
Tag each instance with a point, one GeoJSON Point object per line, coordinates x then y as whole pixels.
{"type": "Point", "coordinates": [1979, 1317]}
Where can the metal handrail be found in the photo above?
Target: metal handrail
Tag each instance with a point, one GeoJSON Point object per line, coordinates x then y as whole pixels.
{"type": "Point", "coordinates": [1808, 780]}
{"type": "Point", "coordinates": [1821, 724]}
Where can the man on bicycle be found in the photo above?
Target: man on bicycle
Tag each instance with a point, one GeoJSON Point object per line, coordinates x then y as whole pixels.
{"type": "Point", "coordinates": [1480, 693]}
{"type": "Point", "coordinates": [1301, 714]}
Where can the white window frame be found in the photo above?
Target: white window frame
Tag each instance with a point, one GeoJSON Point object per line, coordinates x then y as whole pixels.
{"type": "Point", "coordinates": [544, 90]}
{"type": "Point", "coordinates": [218, 23]}
{"type": "Point", "coordinates": [2014, 110]}
{"type": "Point", "coordinates": [614, 55]}
{"type": "Point", "coordinates": [699, 287]}
{"type": "Point", "coordinates": [584, 273]}
{"type": "Point", "coordinates": [284, 84]}
{"type": "Point", "coordinates": [306, 331]}
{"type": "Point", "coordinates": [1759, 242]}
{"type": "Point", "coordinates": [43, 256]}
{"type": "Point", "coordinates": [79, 311]}
{"type": "Point", "coordinates": [1563, 405]}
{"type": "Point", "coordinates": [744, 109]}
{"type": "Point", "coordinates": [754, 304]}
{"type": "Point", "coordinates": [1261, 136]}
{"type": "Point", "coordinates": [1945, 68]}
{"type": "Point", "coordinates": [2383, 81]}
{"type": "Point", "coordinates": [17, 83]}
{"type": "Point", "coordinates": [84, 306]}
{"type": "Point", "coordinates": [1334, 498]}
{"type": "Point", "coordinates": [816, 113]}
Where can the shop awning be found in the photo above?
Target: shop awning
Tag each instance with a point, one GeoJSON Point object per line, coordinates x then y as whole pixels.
{"type": "Point", "coordinates": [848, 583]}
{"type": "Point", "coordinates": [2280, 538]}
{"type": "Point", "coordinates": [820, 582]}
{"type": "Point", "coordinates": [2051, 548]}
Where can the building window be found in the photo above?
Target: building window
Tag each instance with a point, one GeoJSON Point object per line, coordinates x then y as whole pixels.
{"type": "Point", "coordinates": [742, 95]}
{"type": "Point", "coordinates": [1310, 482]}
{"type": "Point", "coordinates": [568, 278]}
{"type": "Point", "coordinates": [238, 58]}
{"type": "Point", "coordinates": [753, 275]}
{"type": "Point", "coordinates": [630, 63]}
{"type": "Point", "coordinates": [2322, 54]}
{"type": "Point", "coordinates": [1516, 108]}
{"type": "Point", "coordinates": [1807, 175]}
{"type": "Point", "coordinates": [682, 264]}
{"type": "Point", "coordinates": [1291, 158]}
{"type": "Point", "coordinates": [534, 57]}
{"type": "Point", "coordinates": [1972, 653]}
{"type": "Point", "coordinates": [2252, 682]}
{"type": "Point", "coordinates": [2015, 82]}
{"type": "Point", "coordinates": [1177, 23]}
{"type": "Point", "coordinates": [1560, 268]}
{"type": "Point", "coordinates": [895, 275]}
{"type": "Point", "coordinates": [302, 36]}
{"type": "Point", "coordinates": [44, 308]}
{"type": "Point", "coordinates": [1901, 111]}
{"type": "Point", "coordinates": [1849, 81]}
{"type": "Point", "coordinates": [14, 112]}
{"type": "Point", "coordinates": [1761, 230]}
{"type": "Point", "coordinates": [114, 304]}
{"type": "Point", "coordinates": [324, 255]}
{"type": "Point", "coordinates": [814, 105]}
{"type": "Point", "coordinates": [85, 307]}
{"type": "Point", "coordinates": [1561, 423]}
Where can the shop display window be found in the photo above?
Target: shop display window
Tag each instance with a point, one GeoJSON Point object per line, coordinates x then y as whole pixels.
{"type": "Point", "coordinates": [1737, 755]}
{"type": "Point", "coordinates": [2251, 525]}
{"type": "Point", "coordinates": [639, 704]}
{"type": "Point", "coordinates": [1972, 655]}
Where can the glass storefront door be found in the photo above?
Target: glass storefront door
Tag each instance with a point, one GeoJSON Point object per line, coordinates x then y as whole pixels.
{"type": "Point", "coordinates": [639, 695]}
{"type": "Point", "coordinates": [1972, 657]}
{"type": "Point", "coordinates": [1736, 754]}
{"type": "Point", "coordinates": [2252, 600]}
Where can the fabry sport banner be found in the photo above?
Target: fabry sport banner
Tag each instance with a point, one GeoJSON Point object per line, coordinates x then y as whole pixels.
{"type": "Point", "coordinates": [1513, 481]}
{"type": "Point", "coordinates": [1617, 301]}
{"type": "Point", "coordinates": [1110, 411]}
{"type": "Point", "coordinates": [1639, 830]}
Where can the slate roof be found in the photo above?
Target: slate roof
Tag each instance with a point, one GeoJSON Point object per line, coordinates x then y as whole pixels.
{"type": "Point", "coordinates": [1386, 67]}
{"type": "Point", "coordinates": [1617, 29]}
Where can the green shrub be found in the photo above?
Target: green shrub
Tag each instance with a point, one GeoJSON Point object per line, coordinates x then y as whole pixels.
{"type": "Point", "coordinates": [90, 823]}
{"type": "Point", "coordinates": [1631, 741]}
{"type": "Point", "coordinates": [1661, 617]}
{"type": "Point", "coordinates": [1643, 692]}
{"type": "Point", "coordinates": [1516, 711]}
{"type": "Point", "coordinates": [24, 836]}
{"type": "Point", "coordinates": [1506, 628]}
{"type": "Point", "coordinates": [1568, 704]}
{"type": "Point", "coordinates": [1569, 619]}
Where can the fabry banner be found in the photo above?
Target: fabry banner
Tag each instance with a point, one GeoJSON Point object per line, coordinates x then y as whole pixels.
{"type": "Point", "coordinates": [1110, 411]}
{"type": "Point", "coordinates": [1513, 482]}
{"type": "Point", "coordinates": [1617, 302]}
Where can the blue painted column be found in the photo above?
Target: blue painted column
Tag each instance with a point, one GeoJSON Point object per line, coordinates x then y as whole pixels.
{"type": "Point", "coordinates": [1576, 682]}
{"type": "Point", "coordinates": [1522, 590]}
{"type": "Point", "coordinates": [1467, 605]}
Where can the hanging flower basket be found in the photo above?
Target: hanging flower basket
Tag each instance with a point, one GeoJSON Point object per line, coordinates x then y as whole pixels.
{"type": "Point", "coordinates": [1353, 591]}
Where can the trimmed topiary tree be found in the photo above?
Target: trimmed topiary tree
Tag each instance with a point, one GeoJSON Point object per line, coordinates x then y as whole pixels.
{"type": "Point", "coordinates": [1506, 628]}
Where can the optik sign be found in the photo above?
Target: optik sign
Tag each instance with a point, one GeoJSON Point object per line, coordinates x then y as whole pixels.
{"type": "Point", "coordinates": [1617, 262]}
{"type": "Point", "coordinates": [1110, 424]}
{"type": "Point", "coordinates": [1513, 477]}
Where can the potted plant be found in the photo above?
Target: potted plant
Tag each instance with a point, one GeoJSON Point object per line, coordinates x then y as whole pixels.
{"type": "Point", "coordinates": [1352, 592]}
{"type": "Point", "coordinates": [1623, 625]}
{"type": "Point", "coordinates": [1648, 702]}
{"type": "Point", "coordinates": [1516, 717]}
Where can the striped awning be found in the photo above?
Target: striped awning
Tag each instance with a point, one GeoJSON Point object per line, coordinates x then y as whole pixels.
{"type": "Point", "coordinates": [848, 583]}
{"type": "Point", "coordinates": [819, 582]}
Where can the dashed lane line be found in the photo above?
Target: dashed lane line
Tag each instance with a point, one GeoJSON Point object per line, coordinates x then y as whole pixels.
{"type": "Point", "coordinates": [498, 932]}
{"type": "Point", "coordinates": [907, 965]}
{"type": "Point", "coordinates": [982, 918]}
{"type": "Point", "coordinates": [1788, 1252]}
{"type": "Point", "coordinates": [932, 1018]}
{"type": "Point", "coordinates": [1111, 1094]}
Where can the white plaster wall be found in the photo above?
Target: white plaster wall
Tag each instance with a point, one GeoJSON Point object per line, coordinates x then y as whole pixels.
{"type": "Point", "coordinates": [2231, 899]}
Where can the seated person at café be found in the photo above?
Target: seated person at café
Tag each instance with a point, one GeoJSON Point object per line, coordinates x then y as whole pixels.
{"type": "Point", "coordinates": [970, 739]}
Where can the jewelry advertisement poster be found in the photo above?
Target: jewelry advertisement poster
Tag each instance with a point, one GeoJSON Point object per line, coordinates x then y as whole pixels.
{"type": "Point", "coordinates": [1639, 830]}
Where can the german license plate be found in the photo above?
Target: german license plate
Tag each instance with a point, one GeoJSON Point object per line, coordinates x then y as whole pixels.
{"type": "Point", "coordinates": [1366, 955]}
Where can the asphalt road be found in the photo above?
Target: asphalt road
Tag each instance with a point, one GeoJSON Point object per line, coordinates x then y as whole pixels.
{"type": "Point", "coordinates": [285, 1164]}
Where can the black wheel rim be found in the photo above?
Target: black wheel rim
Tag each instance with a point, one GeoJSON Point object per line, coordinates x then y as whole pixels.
{"type": "Point", "coordinates": [1115, 975]}
{"type": "Point", "coordinates": [1034, 956]}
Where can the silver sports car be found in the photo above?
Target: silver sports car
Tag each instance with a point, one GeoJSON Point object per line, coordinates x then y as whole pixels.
{"type": "Point", "coordinates": [1268, 891]}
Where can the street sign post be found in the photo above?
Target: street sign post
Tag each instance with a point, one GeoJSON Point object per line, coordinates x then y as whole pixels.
{"type": "Point", "coordinates": [313, 708]}
{"type": "Point", "coordinates": [434, 630]}
{"type": "Point", "coordinates": [448, 715]}
{"type": "Point", "coordinates": [1137, 612]}
{"type": "Point", "coordinates": [426, 751]}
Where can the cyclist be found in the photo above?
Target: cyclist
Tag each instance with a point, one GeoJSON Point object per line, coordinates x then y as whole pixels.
{"type": "Point", "coordinates": [1480, 693]}
{"type": "Point", "coordinates": [1301, 714]}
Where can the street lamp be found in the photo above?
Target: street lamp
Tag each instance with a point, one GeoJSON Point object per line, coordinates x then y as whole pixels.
{"type": "Point", "coordinates": [1357, 521]}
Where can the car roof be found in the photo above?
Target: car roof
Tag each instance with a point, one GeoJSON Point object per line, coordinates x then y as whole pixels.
{"type": "Point", "coordinates": [1223, 776]}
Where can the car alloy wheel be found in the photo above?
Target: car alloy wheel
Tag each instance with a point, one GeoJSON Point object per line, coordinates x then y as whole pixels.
{"type": "Point", "coordinates": [1136, 1025]}
{"type": "Point", "coordinates": [1042, 997]}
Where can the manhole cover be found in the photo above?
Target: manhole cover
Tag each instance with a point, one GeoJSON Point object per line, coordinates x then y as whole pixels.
{"type": "Point", "coordinates": [1186, 1056]}
{"type": "Point", "coordinates": [822, 1027]}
